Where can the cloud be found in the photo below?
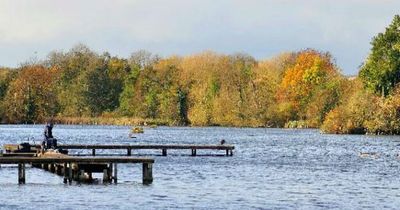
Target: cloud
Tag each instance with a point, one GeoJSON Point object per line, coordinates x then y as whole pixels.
{"type": "Point", "coordinates": [261, 28]}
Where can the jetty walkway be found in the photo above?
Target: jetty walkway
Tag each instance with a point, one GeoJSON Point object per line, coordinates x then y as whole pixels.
{"type": "Point", "coordinates": [80, 168]}
{"type": "Point", "coordinates": [162, 147]}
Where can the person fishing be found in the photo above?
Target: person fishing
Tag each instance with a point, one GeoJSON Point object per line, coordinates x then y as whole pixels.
{"type": "Point", "coordinates": [49, 141]}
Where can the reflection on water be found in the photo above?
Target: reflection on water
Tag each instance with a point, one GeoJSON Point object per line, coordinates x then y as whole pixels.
{"type": "Point", "coordinates": [271, 168]}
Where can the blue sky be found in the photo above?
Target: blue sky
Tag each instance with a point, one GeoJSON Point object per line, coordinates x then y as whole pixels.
{"type": "Point", "coordinates": [261, 28]}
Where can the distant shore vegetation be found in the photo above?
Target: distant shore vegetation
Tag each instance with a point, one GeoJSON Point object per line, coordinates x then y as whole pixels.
{"type": "Point", "coordinates": [303, 89]}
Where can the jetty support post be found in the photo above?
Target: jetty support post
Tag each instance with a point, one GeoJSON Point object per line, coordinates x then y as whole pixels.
{"type": "Point", "coordinates": [65, 171]}
{"type": "Point", "coordinates": [110, 172]}
{"type": "Point", "coordinates": [193, 152]}
{"type": "Point", "coordinates": [70, 173]}
{"type": "Point", "coordinates": [57, 168]}
{"type": "Point", "coordinates": [21, 173]}
{"type": "Point", "coordinates": [129, 151]}
{"type": "Point", "coordinates": [52, 168]}
{"type": "Point", "coordinates": [164, 152]}
{"type": "Point", "coordinates": [105, 176]}
{"type": "Point", "coordinates": [107, 173]}
{"type": "Point", "coordinates": [81, 176]}
{"type": "Point", "coordinates": [115, 173]}
{"type": "Point", "coordinates": [147, 173]}
{"type": "Point", "coordinates": [94, 152]}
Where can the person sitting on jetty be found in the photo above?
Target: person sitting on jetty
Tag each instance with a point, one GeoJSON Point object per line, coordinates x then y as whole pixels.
{"type": "Point", "coordinates": [223, 141]}
{"type": "Point", "coordinates": [49, 141]}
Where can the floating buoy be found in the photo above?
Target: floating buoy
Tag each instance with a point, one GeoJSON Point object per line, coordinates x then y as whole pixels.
{"type": "Point", "coordinates": [137, 130]}
{"type": "Point", "coordinates": [368, 154]}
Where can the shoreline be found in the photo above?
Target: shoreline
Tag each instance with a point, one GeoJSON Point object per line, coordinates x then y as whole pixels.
{"type": "Point", "coordinates": [130, 121]}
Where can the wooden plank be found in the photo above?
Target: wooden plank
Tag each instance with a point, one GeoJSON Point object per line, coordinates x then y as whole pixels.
{"type": "Point", "coordinates": [19, 154]}
{"type": "Point", "coordinates": [79, 160]}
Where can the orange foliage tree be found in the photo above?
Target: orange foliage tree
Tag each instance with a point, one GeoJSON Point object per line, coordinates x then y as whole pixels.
{"type": "Point", "coordinates": [310, 73]}
{"type": "Point", "coordinates": [31, 97]}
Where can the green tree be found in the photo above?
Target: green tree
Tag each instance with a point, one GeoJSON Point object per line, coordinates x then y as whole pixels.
{"type": "Point", "coordinates": [381, 71]}
{"type": "Point", "coordinates": [130, 96]}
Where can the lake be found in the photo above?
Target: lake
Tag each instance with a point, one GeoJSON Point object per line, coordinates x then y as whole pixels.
{"type": "Point", "coordinates": [270, 169]}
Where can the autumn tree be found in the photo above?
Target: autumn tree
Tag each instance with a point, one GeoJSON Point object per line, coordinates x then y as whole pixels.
{"type": "Point", "coordinates": [310, 74]}
{"type": "Point", "coordinates": [200, 74]}
{"type": "Point", "coordinates": [31, 97]}
{"type": "Point", "coordinates": [268, 75]}
{"type": "Point", "coordinates": [71, 83]}
{"type": "Point", "coordinates": [6, 77]}
{"type": "Point", "coordinates": [357, 107]}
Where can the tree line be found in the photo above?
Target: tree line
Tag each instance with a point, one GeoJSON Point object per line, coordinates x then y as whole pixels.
{"type": "Point", "coordinates": [293, 89]}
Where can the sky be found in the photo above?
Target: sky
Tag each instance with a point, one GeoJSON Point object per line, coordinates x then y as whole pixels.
{"type": "Point", "coordinates": [261, 28]}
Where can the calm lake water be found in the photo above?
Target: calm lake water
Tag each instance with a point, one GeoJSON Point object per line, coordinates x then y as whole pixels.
{"type": "Point", "coordinates": [270, 169]}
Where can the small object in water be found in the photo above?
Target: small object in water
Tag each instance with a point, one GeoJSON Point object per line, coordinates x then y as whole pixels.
{"type": "Point", "coordinates": [131, 136]}
{"type": "Point", "coordinates": [368, 154]}
{"type": "Point", "coordinates": [223, 141]}
{"type": "Point", "coordinates": [137, 130]}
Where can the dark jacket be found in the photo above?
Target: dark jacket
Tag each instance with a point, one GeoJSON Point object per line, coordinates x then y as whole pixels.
{"type": "Point", "coordinates": [48, 133]}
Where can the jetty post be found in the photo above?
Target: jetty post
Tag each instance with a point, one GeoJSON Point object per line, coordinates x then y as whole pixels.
{"type": "Point", "coordinates": [21, 173]}
{"type": "Point", "coordinates": [147, 173]}
{"type": "Point", "coordinates": [115, 173]}
{"type": "Point", "coordinates": [65, 172]}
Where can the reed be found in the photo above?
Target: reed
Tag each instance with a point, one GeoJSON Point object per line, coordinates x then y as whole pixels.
{"type": "Point", "coordinates": [110, 121]}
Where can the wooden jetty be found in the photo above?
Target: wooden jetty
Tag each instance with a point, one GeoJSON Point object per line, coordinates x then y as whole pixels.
{"type": "Point", "coordinates": [163, 148]}
{"type": "Point", "coordinates": [81, 168]}
{"type": "Point", "coordinates": [78, 167]}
